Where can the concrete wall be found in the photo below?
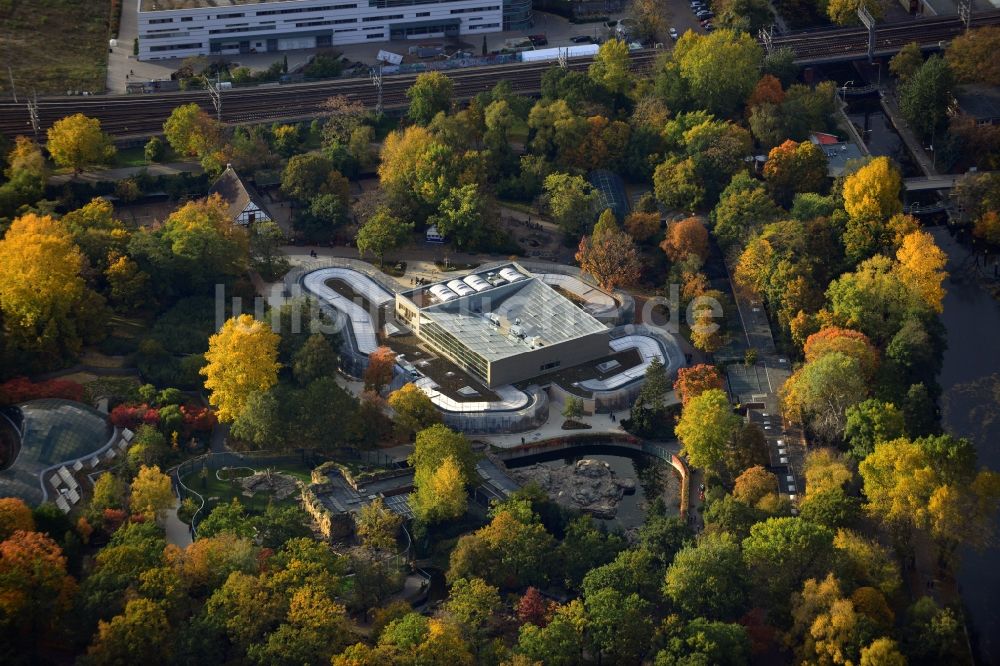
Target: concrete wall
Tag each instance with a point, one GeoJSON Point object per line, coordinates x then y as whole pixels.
{"type": "Point", "coordinates": [529, 364]}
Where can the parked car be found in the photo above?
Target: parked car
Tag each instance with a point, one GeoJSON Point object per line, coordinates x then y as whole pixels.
{"type": "Point", "coordinates": [673, 34]}
{"type": "Point", "coordinates": [581, 39]}
{"type": "Point", "coordinates": [709, 27]}
{"type": "Point", "coordinates": [705, 14]}
{"type": "Point", "coordinates": [538, 40]}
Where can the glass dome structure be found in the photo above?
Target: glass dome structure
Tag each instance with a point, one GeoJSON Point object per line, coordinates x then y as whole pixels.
{"type": "Point", "coordinates": [40, 435]}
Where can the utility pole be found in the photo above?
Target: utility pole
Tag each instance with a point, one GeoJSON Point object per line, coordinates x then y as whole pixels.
{"type": "Point", "coordinates": [216, 94]}
{"type": "Point", "coordinates": [767, 36]}
{"type": "Point", "coordinates": [33, 113]}
{"type": "Point", "coordinates": [869, 22]}
{"type": "Point", "coordinates": [13, 88]}
{"type": "Point", "coordinates": [965, 12]}
{"type": "Point", "coordinates": [562, 55]}
{"type": "Point", "coordinates": [377, 82]}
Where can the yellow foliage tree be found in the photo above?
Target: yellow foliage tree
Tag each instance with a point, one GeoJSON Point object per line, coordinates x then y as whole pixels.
{"type": "Point", "coordinates": [152, 493]}
{"type": "Point", "coordinates": [242, 360]}
{"type": "Point", "coordinates": [825, 470]}
{"type": "Point", "coordinates": [40, 286]}
{"type": "Point", "coordinates": [872, 192]}
{"type": "Point", "coordinates": [96, 230]}
{"type": "Point", "coordinates": [845, 12]}
{"type": "Point", "coordinates": [921, 267]}
{"type": "Point", "coordinates": [76, 141]}
{"type": "Point", "coordinates": [443, 497]}
{"type": "Point", "coordinates": [610, 68]}
{"type": "Point", "coordinates": [882, 652]}
{"type": "Point", "coordinates": [191, 131]}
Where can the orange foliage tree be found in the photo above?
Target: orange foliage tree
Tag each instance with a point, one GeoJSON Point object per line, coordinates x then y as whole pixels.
{"type": "Point", "coordinates": [768, 90]}
{"type": "Point", "coordinates": [35, 590]}
{"type": "Point", "coordinates": [609, 255]}
{"type": "Point", "coordinates": [795, 167]}
{"type": "Point", "coordinates": [692, 382]}
{"type": "Point", "coordinates": [684, 238]}
{"type": "Point", "coordinates": [642, 226]}
{"type": "Point", "coordinates": [14, 515]}
{"type": "Point", "coordinates": [846, 341]}
{"type": "Point", "coordinates": [378, 374]}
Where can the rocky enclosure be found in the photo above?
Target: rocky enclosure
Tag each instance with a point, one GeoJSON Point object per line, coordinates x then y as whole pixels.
{"type": "Point", "coordinates": [588, 485]}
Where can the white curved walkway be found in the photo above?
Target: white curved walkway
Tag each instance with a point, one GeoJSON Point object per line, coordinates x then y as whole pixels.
{"type": "Point", "coordinates": [361, 320]}
{"type": "Point", "coordinates": [648, 349]}
{"type": "Point", "coordinates": [510, 399]}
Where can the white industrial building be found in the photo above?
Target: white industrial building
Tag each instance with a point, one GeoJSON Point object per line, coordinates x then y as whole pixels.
{"type": "Point", "coordinates": [182, 28]}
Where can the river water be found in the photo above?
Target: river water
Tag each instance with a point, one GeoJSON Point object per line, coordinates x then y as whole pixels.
{"type": "Point", "coordinates": [970, 403]}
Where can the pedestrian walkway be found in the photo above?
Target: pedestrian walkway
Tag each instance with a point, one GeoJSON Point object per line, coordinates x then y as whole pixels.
{"type": "Point", "coordinates": [121, 173]}
{"type": "Point", "coordinates": [913, 144]}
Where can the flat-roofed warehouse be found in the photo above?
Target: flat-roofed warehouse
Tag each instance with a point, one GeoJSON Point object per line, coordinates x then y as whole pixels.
{"type": "Point", "coordinates": [183, 28]}
{"type": "Point", "coordinates": [503, 325]}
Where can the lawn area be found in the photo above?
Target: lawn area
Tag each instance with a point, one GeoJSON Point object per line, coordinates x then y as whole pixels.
{"type": "Point", "coordinates": [54, 45]}
{"type": "Point", "coordinates": [218, 492]}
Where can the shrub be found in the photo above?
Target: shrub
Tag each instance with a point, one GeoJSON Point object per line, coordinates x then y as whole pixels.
{"type": "Point", "coordinates": [22, 389]}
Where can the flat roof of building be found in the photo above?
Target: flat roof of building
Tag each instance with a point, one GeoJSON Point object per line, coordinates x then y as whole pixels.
{"type": "Point", "coordinates": [164, 5]}
{"type": "Point", "coordinates": [511, 318]}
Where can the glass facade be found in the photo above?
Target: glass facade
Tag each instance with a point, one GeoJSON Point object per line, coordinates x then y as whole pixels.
{"type": "Point", "coordinates": [452, 347]}
{"type": "Point", "coordinates": [517, 15]}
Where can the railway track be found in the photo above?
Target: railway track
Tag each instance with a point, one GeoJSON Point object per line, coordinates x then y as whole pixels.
{"type": "Point", "coordinates": [137, 115]}
{"type": "Point", "coordinates": [816, 46]}
{"type": "Point", "coordinates": [142, 115]}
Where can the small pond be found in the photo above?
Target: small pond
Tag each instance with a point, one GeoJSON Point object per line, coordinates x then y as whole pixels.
{"type": "Point", "coordinates": [653, 478]}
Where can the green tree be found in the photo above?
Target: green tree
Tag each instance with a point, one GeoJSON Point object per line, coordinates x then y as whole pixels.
{"type": "Point", "coordinates": [280, 524]}
{"type": "Point", "coordinates": [155, 150]}
{"type": "Point", "coordinates": [720, 69]}
{"type": "Point", "coordinates": [702, 641]}
{"type": "Point", "coordinates": [571, 202]}
{"type": "Point", "coordinates": [619, 625]}
{"type": "Point", "coordinates": [381, 233]}
{"type": "Point", "coordinates": [472, 605]}
{"type": "Point", "coordinates": [845, 12]}
{"type": "Point", "coordinates": [430, 94]}
{"type": "Point", "coordinates": [870, 422]}
{"type": "Point", "coordinates": [315, 628]}
{"type": "Point", "coordinates": [203, 243]}
{"type": "Point", "coordinates": [820, 392]}
{"type": "Point", "coordinates": [705, 429]}
{"type": "Point", "coordinates": [139, 635]}
{"type": "Point", "coordinates": [610, 68]}
{"type": "Point", "coordinates": [781, 553]}
{"type": "Point", "coordinates": [77, 141]}
{"type": "Point", "coordinates": [744, 207]}
{"type": "Point", "coordinates": [573, 408]}
{"type": "Point", "coordinates": [261, 421]}
{"type": "Point", "coordinates": [231, 518]}
{"type": "Point", "coordinates": [925, 97]}
{"type": "Point", "coordinates": [561, 641]}
{"type": "Point", "coordinates": [314, 360]}
{"type": "Point", "coordinates": [463, 217]}
{"type": "Point", "coordinates": [708, 579]}
{"type": "Point", "coordinates": [266, 257]}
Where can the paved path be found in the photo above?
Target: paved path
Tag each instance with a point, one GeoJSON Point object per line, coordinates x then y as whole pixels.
{"type": "Point", "coordinates": [177, 533]}
{"type": "Point", "coordinates": [913, 143]}
{"type": "Point", "coordinates": [121, 173]}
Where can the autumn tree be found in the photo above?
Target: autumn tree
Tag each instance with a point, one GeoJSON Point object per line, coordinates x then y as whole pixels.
{"type": "Point", "coordinates": [695, 380]}
{"type": "Point", "coordinates": [430, 94]}
{"type": "Point", "coordinates": [649, 22]}
{"type": "Point", "coordinates": [611, 67]}
{"type": "Point", "coordinates": [720, 68]}
{"type": "Point", "coordinates": [443, 465]}
{"type": "Point", "coordinates": [687, 237]}
{"type": "Point", "coordinates": [971, 56]}
{"type": "Point", "coordinates": [782, 553]}
{"type": "Point", "coordinates": [141, 634]}
{"type": "Point", "coordinates": [795, 167]}
{"type": "Point", "coordinates": [921, 266]}
{"type": "Point", "coordinates": [642, 226]}
{"type": "Point", "coordinates": [820, 392]}
{"type": "Point", "coordinates": [14, 515]}
{"type": "Point", "coordinates": [845, 12]}
{"type": "Point", "coordinates": [851, 343]}
{"type": "Point", "coordinates": [47, 309]}
{"type": "Point", "coordinates": [872, 192]}
{"type": "Point", "coordinates": [96, 230]}
{"type": "Point", "coordinates": [825, 624]}
{"type": "Point", "coordinates": [414, 410]}
{"type": "Point", "coordinates": [242, 359]}
{"type": "Point", "coordinates": [377, 526]}
{"type": "Point", "coordinates": [561, 642]}
{"type": "Point", "coordinates": [378, 373]}
{"type": "Point", "coordinates": [77, 141]}
{"type": "Point", "coordinates": [203, 242]}
{"type": "Point", "coordinates": [152, 492]}
{"type": "Point", "coordinates": [609, 254]}
{"type": "Point", "coordinates": [706, 426]}
{"type": "Point", "coordinates": [191, 131]}
{"type": "Point", "coordinates": [756, 487]}
{"type": "Point", "coordinates": [382, 233]}
{"type": "Point", "coordinates": [35, 590]}
{"type": "Point", "coordinates": [314, 628]}
{"type": "Point", "coordinates": [906, 63]}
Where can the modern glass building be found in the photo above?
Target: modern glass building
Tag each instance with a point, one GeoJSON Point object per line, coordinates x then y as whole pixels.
{"type": "Point", "coordinates": [517, 15]}
{"type": "Point", "coordinates": [511, 327]}
{"type": "Point", "coordinates": [42, 435]}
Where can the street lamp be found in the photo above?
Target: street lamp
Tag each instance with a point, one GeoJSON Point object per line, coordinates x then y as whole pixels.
{"type": "Point", "coordinates": [843, 91]}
